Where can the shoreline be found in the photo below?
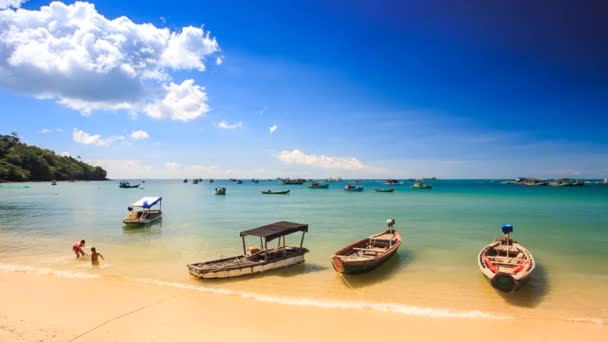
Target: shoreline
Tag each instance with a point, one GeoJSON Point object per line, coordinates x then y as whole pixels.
{"type": "Point", "coordinates": [53, 308]}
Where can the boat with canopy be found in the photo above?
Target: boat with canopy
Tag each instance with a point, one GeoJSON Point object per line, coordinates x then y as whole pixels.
{"type": "Point", "coordinates": [257, 260]}
{"type": "Point", "coordinates": [506, 263]}
{"type": "Point", "coordinates": [141, 212]}
{"type": "Point", "coordinates": [220, 191]}
{"type": "Point", "coordinates": [366, 254]}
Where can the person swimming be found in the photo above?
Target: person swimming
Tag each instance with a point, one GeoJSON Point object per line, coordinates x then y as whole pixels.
{"type": "Point", "coordinates": [95, 256]}
{"type": "Point", "coordinates": [77, 248]}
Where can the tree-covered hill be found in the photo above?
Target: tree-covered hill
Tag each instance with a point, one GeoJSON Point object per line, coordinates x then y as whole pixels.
{"type": "Point", "coordinates": [20, 162]}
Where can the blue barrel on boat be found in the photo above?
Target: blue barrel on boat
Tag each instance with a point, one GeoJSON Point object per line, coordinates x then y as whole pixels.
{"type": "Point", "coordinates": [507, 228]}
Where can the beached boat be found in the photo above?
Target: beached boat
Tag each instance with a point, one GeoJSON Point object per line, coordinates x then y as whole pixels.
{"type": "Point", "coordinates": [353, 188]}
{"type": "Point", "coordinates": [385, 190]}
{"type": "Point", "coordinates": [506, 263]}
{"type": "Point", "coordinates": [127, 185]}
{"type": "Point", "coordinates": [141, 211]}
{"type": "Point", "coordinates": [220, 191]}
{"type": "Point", "coordinates": [270, 192]}
{"type": "Point", "coordinates": [420, 185]}
{"type": "Point", "coordinates": [256, 260]}
{"type": "Point", "coordinates": [315, 185]}
{"type": "Point", "coordinates": [366, 254]}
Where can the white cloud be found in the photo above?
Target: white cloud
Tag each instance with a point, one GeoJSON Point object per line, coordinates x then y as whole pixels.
{"type": "Point", "coordinates": [45, 130]}
{"type": "Point", "coordinates": [139, 135]}
{"type": "Point", "coordinates": [183, 102]}
{"type": "Point", "coordinates": [273, 128]}
{"type": "Point", "coordinates": [225, 125]}
{"type": "Point", "coordinates": [322, 161]}
{"type": "Point", "coordinates": [11, 3]}
{"type": "Point", "coordinates": [65, 154]}
{"type": "Point", "coordinates": [82, 137]}
{"type": "Point", "coordinates": [49, 130]}
{"type": "Point", "coordinates": [219, 60]}
{"type": "Point", "coordinates": [87, 62]}
{"type": "Point", "coordinates": [172, 165]}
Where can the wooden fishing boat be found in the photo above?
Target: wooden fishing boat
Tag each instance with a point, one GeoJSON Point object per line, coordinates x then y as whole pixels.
{"type": "Point", "coordinates": [506, 263]}
{"type": "Point", "coordinates": [145, 215]}
{"type": "Point", "coordinates": [353, 188]}
{"type": "Point", "coordinates": [369, 253]}
{"type": "Point", "coordinates": [239, 181]}
{"type": "Point", "coordinates": [385, 190]}
{"type": "Point", "coordinates": [185, 180]}
{"type": "Point", "coordinates": [315, 185]}
{"type": "Point", "coordinates": [257, 260]}
{"type": "Point", "coordinates": [220, 191]}
{"type": "Point", "coordinates": [270, 192]}
{"type": "Point", "coordinates": [420, 185]}
{"type": "Point", "coordinates": [391, 182]}
{"type": "Point", "coordinates": [288, 181]}
{"type": "Point", "coordinates": [127, 185]}
{"type": "Point", "coordinates": [195, 181]}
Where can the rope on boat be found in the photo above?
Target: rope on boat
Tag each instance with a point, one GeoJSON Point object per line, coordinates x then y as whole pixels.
{"type": "Point", "coordinates": [349, 285]}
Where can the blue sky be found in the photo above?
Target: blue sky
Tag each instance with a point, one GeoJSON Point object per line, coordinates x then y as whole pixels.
{"type": "Point", "coordinates": [385, 89]}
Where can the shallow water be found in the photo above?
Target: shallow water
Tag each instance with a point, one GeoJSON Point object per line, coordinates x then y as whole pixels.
{"type": "Point", "coordinates": [565, 228]}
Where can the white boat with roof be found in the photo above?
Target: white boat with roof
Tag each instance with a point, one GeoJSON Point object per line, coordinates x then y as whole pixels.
{"type": "Point", "coordinates": [142, 212]}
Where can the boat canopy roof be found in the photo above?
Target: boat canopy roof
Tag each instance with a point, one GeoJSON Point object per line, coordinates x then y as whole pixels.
{"type": "Point", "coordinates": [147, 202]}
{"type": "Point", "coordinates": [275, 230]}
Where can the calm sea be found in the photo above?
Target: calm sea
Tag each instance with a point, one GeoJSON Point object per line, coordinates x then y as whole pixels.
{"type": "Point", "coordinates": [435, 272]}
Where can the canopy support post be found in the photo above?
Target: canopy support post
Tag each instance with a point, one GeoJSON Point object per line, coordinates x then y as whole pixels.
{"type": "Point", "coordinates": [302, 240]}
{"type": "Point", "coordinates": [265, 248]}
{"type": "Point", "coordinates": [244, 249]}
{"type": "Point", "coordinates": [284, 248]}
{"type": "Point", "coordinates": [261, 244]}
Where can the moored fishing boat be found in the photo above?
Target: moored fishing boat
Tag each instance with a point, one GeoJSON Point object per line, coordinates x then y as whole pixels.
{"type": "Point", "coordinates": [506, 263]}
{"type": "Point", "coordinates": [53, 182]}
{"type": "Point", "coordinates": [127, 185]}
{"type": "Point", "coordinates": [145, 215]}
{"type": "Point", "coordinates": [391, 182]}
{"type": "Point", "coordinates": [353, 188]}
{"type": "Point", "coordinates": [220, 191]}
{"type": "Point", "coordinates": [195, 181]}
{"type": "Point", "coordinates": [186, 180]}
{"type": "Point", "coordinates": [315, 185]}
{"type": "Point", "coordinates": [270, 192]}
{"type": "Point", "coordinates": [288, 181]}
{"type": "Point", "coordinates": [238, 181]}
{"type": "Point", "coordinates": [385, 190]}
{"type": "Point", "coordinates": [420, 185]}
{"type": "Point", "coordinates": [257, 260]}
{"type": "Point", "coordinates": [366, 254]}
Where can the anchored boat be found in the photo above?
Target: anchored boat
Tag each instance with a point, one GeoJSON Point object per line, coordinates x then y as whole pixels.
{"type": "Point", "coordinates": [145, 214]}
{"type": "Point", "coordinates": [127, 185]}
{"type": "Point", "coordinates": [257, 260]}
{"type": "Point", "coordinates": [506, 263]}
{"type": "Point", "coordinates": [220, 191]}
{"type": "Point", "coordinates": [353, 188]}
{"type": "Point", "coordinates": [315, 185]}
{"type": "Point", "coordinates": [270, 192]}
{"type": "Point", "coordinates": [385, 190]}
{"type": "Point", "coordinates": [420, 185]}
{"type": "Point", "coordinates": [366, 254]}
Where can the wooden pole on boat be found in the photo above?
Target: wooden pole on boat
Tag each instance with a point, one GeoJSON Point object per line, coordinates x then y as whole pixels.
{"type": "Point", "coordinates": [261, 243]}
{"type": "Point", "coordinates": [244, 249]}
{"type": "Point", "coordinates": [302, 241]}
{"type": "Point", "coordinates": [265, 248]}
{"type": "Point", "coordinates": [284, 248]}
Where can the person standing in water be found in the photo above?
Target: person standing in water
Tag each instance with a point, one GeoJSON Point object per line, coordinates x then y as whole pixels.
{"type": "Point", "coordinates": [77, 248]}
{"type": "Point", "coordinates": [95, 257]}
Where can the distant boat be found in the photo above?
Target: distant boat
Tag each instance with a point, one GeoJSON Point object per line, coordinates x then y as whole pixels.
{"type": "Point", "coordinates": [53, 182]}
{"type": "Point", "coordinates": [366, 254]}
{"type": "Point", "coordinates": [270, 192]}
{"type": "Point", "coordinates": [146, 215]}
{"type": "Point", "coordinates": [239, 182]}
{"type": "Point", "coordinates": [391, 182]}
{"type": "Point", "coordinates": [185, 180]}
{"type": "Point", "coordinates": [210, 180]}
{"type": "Point", "coordinates": [127, 185]}
{"type": "Point", "coordinates": [353, 188]}
{"type": "Point", "coordinates": [195, 181]}
{"type": "Point", "coordinates": [220, 191]}
{"type": "Point", "coordinates": [420, 185]}
{"type": "Point", "coordinates": [605, 181]}
{"type": "Point", "coordinates": [253, 180]}
{"type": "Point", "coordinates": [315, 185]}
{"type": "Point", "coordinates": [257, 260]}
{"type": "Point", "coordinates": [287, 181]}
{"type": "Point", "coordinates": [331, 180]}
{"type": "Point", "coordinates": [567, 182]}
{"type": "Point", "coordinates": [506, 263]}
{"type": "Point", "coordinates": [385, 190]}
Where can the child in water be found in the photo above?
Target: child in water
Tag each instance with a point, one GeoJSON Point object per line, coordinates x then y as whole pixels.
{"type": "Point", "coordinates": [95, 256]}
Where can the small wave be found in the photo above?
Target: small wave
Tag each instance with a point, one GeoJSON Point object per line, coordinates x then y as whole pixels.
{"type": "Point", "coordinates": [335, 304]}
{"type": "Point", "coordinates": [599, 321]}
{"type": "Point", "coordinates": [35, 270]}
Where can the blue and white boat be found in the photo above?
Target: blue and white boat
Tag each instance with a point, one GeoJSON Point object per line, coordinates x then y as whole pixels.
{"type": "Point", "coordinates": [141, 212]}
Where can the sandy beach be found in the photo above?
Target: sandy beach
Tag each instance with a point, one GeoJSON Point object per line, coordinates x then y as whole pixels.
{"type": "Point", "coordinates": [39, 307]}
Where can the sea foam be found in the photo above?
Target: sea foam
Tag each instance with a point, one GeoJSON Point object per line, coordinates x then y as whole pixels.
{"type": "Point", "coordinates": [335, 304]}
{"type": "Point", "coordinates": [37, 270]}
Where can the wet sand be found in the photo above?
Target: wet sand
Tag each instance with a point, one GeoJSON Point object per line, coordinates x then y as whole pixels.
{"type": "Point", "coordinates": [51, 308]}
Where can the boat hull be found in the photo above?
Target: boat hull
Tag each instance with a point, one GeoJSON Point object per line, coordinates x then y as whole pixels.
{"type": "Point", "coordinates": [248, 270]}
{"type": "Point", "coordinates": [143, 221]}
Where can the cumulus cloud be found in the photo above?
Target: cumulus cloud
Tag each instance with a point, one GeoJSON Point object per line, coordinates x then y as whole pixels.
{"type": "Point", "coordinates": [11, 3]}
{"type": "Point", "coordinates": [219, 60]}
{"type": "Point", "coordinates": [82, 137]}
{"type": "Point", "coordinates": [87, 62]}
{"type": "Point", "coordinates": [50, 130]}
{"type": "Point", "coordinates": [183, 102]}
{"type": "Point", "coordinates": [225, 125]}
{"type": "Point", "coordinates": [139, 135]}
{"type": "Point", "coordinates": [322, 161]}
{"type": "Point", "coordinates": [273, 129]}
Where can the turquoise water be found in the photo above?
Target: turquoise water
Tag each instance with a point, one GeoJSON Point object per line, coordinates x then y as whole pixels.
{"type": "Point", "coordinates": [444, 228]}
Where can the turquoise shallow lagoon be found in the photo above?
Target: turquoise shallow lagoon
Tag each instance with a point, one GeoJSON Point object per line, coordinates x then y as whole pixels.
{"type": "Point", "coordinates": [565, 228]}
